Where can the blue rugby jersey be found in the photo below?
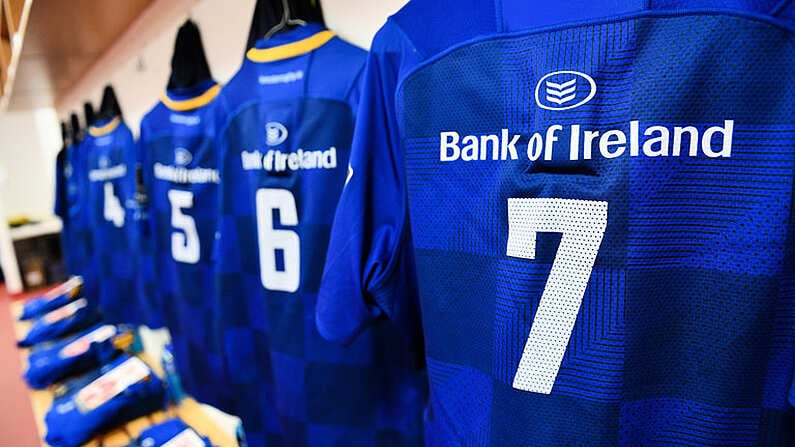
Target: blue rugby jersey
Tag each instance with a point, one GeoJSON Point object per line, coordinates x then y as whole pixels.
{"type": "Point", "coordinates": [66, 320]}
{"type": "Point", "coordinates": [111, 210]}
{"type": "Point", "coordinates": [119, 392]}
{"type": "Point", "coordinates": [180, 173]}
{"type": "Point", "coordinates": [76, 230]}
{"type": "Point", "coordinates": [49, 363]}
{"type": "Point", "coordinates": [285, 123]}
{"type": "Point", "coordinates": [596, 199]}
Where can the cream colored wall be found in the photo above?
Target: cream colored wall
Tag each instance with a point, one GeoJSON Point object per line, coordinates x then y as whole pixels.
{"type": "Point", "coordinates": [224, 26]}
{"type": "Point", "coordinates": [29, 142]}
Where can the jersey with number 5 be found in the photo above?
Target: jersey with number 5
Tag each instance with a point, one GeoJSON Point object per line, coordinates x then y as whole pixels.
{"type": "Point", "coordinates": [112, 205]}
{"type": "Point", "coordinates": [286, 123]}
{"type": "Point", "coordinates": [597, 203]}
{"type": "Point", "coordinates": [179, 165]}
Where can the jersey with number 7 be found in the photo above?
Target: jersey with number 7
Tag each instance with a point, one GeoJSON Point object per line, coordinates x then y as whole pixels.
{"type": "Point", "coordinates": [597, 203]}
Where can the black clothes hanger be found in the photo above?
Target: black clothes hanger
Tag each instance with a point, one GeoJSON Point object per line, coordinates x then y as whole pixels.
{"type": "Point", "coordinates": [286, 22]}
{"type": "Point", "coordinates": [88, 113]}
{"type": "Point", "coordinates": [110, 105]}
{"type": "Point", "coordinates": [270, 13]}
{"type": "Point", "coordinates": [189, 63]}
{"type": "Point", "coordinates": [77, 134]}
{"type": "Point", "coordinates": [66, 136]}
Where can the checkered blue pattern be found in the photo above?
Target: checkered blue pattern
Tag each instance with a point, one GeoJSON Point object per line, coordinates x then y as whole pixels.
{"type": "Point", "coordinates": [184, 289]}
{"type": "Point", "coordinates": [292, 387]}
{"type": "Point", "coordinates": [685, 334]}
{"type": "Point", "coordinates": [114, 244]}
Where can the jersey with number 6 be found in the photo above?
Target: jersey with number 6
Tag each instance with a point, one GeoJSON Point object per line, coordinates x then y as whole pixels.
{"type": "Point", "coordinates": [179, 164]}
{"type": "Point", "coordinates": [597, 203]}
{"type": "Point", "coordinates": [111, 214]}
{"type": "Point", "coordinates": [285, 127]}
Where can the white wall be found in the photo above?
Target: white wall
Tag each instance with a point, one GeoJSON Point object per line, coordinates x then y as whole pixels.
{"type": "Point", "coordinates": [29, 142]}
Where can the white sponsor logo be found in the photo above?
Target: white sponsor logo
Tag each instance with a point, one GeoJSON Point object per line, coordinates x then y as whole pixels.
{"type": "Point", "coordinates": [274, 160]}
{"type": "Point", "coordinates": [182, 156]}
{"type": "Point", "coordinates": [586, 144]}
{"type": "Point", "coordinates": [186, 120]}
{"type": "Point", "coordinates": [179, 174]}
{"type": "Point", "coordinates": [275, 133]}
{"type": "Point", "coordinates": [107, 173]}
{"type": "Point", "coordinates": [563, 90]}
{"type": "Point", "coordinates": [283, 78]}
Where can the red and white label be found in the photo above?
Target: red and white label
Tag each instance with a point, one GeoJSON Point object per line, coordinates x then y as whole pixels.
{"type": "Point", "coordinates": [67, 288]}
{"type": "Point", "coordinates": [65, 312]}
{"type": "Point", "coordinates": [82, 344]}
{"type": "Point", "coordinates": [111, 384]}
{"type": "Point", "coordinates": [186, 438]}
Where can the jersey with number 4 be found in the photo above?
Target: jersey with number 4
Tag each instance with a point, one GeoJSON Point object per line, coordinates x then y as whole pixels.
{"type": "Point", "coordinates": [286, 123]}
{"type": "Point", "coordinates": [597, 202]}
{"type": "Point", "coordinates": [179, 164]}
{"type": "Point", "coordinates": [111, 165]}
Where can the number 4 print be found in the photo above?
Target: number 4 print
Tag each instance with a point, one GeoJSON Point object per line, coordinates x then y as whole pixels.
{"type": "Point", "coordinates": [582, 224]}
{"type": "Point", "coordinates": [112, 210]}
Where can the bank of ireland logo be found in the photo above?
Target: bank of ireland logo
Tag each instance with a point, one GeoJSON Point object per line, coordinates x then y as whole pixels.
{"type": "Point", "coordinates": [275, 133]}
{"type": "Point", "coordinates": [563, 90]}
{"type": "Point", "coordinates": [182, 156]}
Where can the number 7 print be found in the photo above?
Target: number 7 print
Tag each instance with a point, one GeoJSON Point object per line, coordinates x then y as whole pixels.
{"type": "Point", "coordinates": [582, 224]}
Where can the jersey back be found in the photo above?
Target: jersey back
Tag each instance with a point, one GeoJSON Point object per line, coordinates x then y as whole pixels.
{"type": "Point", "coordinates": [111, 165]}
{"type": "Point", "coordinates": [179, 164]}
{"type": "Point", "coordinates": [601, 215]}
{"type": "Point", "coordinates": [77, 233]}
{"type": "Point", "coordinates": [286, 126]}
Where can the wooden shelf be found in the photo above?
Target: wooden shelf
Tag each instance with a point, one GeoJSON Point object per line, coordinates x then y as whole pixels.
{"type": "Point", "coordinates": [13, 19]}
{"type": "Point", "coordinates": [13, 12]}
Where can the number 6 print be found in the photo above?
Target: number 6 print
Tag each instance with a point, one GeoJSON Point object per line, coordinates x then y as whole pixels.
{"type": "Point", "coordinates": [583, 224]}
{"type": "Point", "coordinates": [272, 240]}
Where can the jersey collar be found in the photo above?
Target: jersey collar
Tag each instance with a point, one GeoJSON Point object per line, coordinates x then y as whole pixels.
{"type": "Point", "coordinates": [290, 44]}
{"type": "Point", "coordinates": [98, 130]}
{"type": "Point", "coordinates": [182, 100]}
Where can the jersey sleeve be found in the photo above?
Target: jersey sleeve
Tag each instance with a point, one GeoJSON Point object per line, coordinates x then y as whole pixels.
{"type": "Point", "coordinates": [369, 267]}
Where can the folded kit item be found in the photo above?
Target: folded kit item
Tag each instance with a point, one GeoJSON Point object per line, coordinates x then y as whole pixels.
{"type": "Point", "coordinates": [66, 320]}
{"type": "Point", "coordinates": [52, 362]}
{"type": "Point", "coordinates": [60, 296]}
{"type": "Point", "coordinates": [171, 433]}
{"type": "Point", "coordinates": [127, 389]}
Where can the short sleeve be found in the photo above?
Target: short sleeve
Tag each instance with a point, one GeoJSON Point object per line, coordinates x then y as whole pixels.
{"type": "Point", "coordinates": [369, 271]}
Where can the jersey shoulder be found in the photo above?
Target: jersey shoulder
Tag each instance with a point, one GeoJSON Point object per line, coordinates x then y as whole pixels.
{"type": "Point", "coordinates": [458, 21]}
{"type": "Point", "coordinates": [335, 69]}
